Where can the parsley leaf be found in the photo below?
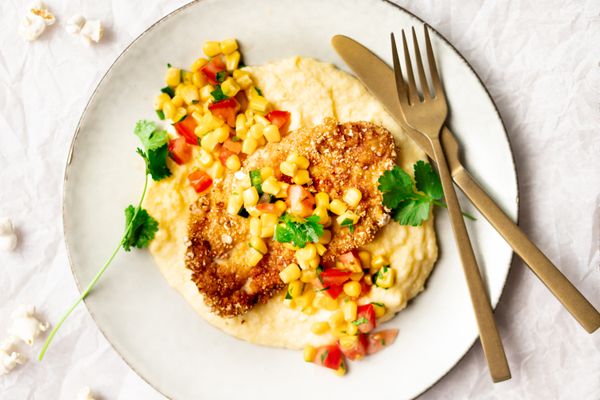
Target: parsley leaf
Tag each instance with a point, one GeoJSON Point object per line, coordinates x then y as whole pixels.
{"type": "Point", "coordinates": [142, 229]}
{"type": "Point", "coordinates": [427, 180]}
{"type": "Point", "coordinates": [298, 231]}
{"type": "Point", "coordinates": [349, 223]}
{"type": "Point", "coordinates": [218, 94]}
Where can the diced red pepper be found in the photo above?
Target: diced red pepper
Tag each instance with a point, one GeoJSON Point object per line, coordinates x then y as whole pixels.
{"type": "Point", "coordinates": [224, 154]}
{"type": "Point", "coordinates": [226, 109]}
{"type": "Point", "coordinates": [330, 357]}
{"type": "Point", "coordinates": [351, 261]}
{"type": "Point", "coordinates": [234, 147]}
{"type": "Point", "coordinates": [300, 201]}
{"type": "Point", "coordinates": [378, 340]}
{"type": "Point", "coordinates": [365, 314]}
{"type": "Point", "coordinates": [333, 276]}
{"type": "Point", "coordinates": [186, 128]}
{"type": "Point", "coordinates": [334, 291]}
{"type": "Point", "coordinates": [200, 180]}
{"type": "Point", "coordinates": [358, 349]}
{"type": "Point", "coordinates": [279, 118]}
{"type": "Point", "coordinates": [179, 150]}
{"type": "Point", "coordinates": [269, 208]}
{"type": "Point", "coordinates": [365, 288]}
{"type": "Point", "coordinates": [211, 68]}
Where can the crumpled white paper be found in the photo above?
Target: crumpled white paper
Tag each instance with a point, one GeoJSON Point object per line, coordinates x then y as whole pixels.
{"type": "Point", "coordinates": [540, 62]}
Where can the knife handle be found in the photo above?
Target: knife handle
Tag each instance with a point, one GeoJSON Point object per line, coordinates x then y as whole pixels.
{"type": "Point", "coordinates": [548, 273]}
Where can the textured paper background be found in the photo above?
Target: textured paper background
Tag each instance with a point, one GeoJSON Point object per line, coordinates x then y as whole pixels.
{"type": "Point", "coordinates": [541, 63]}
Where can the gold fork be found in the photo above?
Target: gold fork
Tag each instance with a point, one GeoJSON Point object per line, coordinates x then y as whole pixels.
{"type": "Point", "coordinates": [427, 116]}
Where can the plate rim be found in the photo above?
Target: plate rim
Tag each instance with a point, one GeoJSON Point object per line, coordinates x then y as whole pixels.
{"type": "Point", "coordinates": [170, 15]}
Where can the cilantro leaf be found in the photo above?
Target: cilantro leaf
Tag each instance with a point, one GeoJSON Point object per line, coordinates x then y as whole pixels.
{"type": "Point", "coordinates": [396, 186]}
{"type": "Point", "coordinates": [349, 223]}
{"type": "Point", "coordinates": [151, 137]}
{"type": "Point", "coordinates": [142, 230]}
{"type": "Point", "coordinates": [258, 91]}
{"type": "Point", "coordinates": [412, 212]}
{"type": "Point", "coordinates": [298, 231]}
{"type": "Point", "coordinates": [218, 94]}
{"type": "Point", "coordinates": [221, 75]}
{"type": "Point", "coordinates": [427, 181]}
{"type": "Point", "coordinates": [156, 162]}
{"type": "Point", "coordinates": [360, 321]}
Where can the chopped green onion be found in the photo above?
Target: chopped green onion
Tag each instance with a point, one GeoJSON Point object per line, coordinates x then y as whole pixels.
{"type": "Point", "coordinates": [161, 115]}
{"type": "Point", "coordinates": [256, 180]}
{"type": "Point", "coordinates": [168, 90]}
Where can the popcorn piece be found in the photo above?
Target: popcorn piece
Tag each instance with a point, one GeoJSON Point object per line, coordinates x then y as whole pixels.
{"type": "Point", "coordinates": [74, 24]}
{"type": "Point", "coordinates": [8, 236]}
{"type": "Point", "coordinates": [25, 325]}
{"type": "Point", "coordinates": [40, 10]}
{"type": "Point", "coordinates": [85, 394]}
{"type": "Point", "coordinates": [35, 21]}
{"type": "Point", "coordinates": [92, 31]}
{"type": "Point", "coordinates": [9, 359]}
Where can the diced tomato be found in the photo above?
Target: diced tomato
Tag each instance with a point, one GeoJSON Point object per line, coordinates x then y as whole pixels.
{"type": "Point", "coordinates": [333, 276]}
{"type": "Point", "coordinates": [186, 129]}
{"type": "Point", "coordinates": [378, 340]}
{"type": "Point", "coordinates": [334, 291]}
{"type": "Point", "coordinates": [300, 201]}
{"type": "Point", "coordinates": [179, 150]}
{"type": "Point", "coordinates": [211, 68]}
{"type": "Point", "coordinates": [351, 261]}
{"type": "Point", "coordinates": [279, 118]}
{"type": "Point", "coordinates": [365, 288]}
{"type": "Point", "coordinates": [226, 109]}
{"type": "Point", "coordinates": [365, 314]}
{"type": "Point", "coordinates": [330, 357]}
{"type": "Point", "coordinates": [269, 208]}
{"type": "Point", "coordinates": [234, 147]}
{"type": "Point", "coordinates": [242, 99]}
{"type": "Point", "coordinates": [224, 154]}
{"type": "Point", "coordinates": [358, 349]}
{"type": "Point", "coordinates": [200, 180]}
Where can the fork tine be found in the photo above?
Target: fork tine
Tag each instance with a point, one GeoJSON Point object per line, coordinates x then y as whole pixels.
{"type": "Point", "coordinates": [413, 95]}
{"type": "Point", "coordinates": [400, 84]}
{"type": "Point", "coordinates": [437, 84]}
{"type": "Point", "coordinates": [420, 70]}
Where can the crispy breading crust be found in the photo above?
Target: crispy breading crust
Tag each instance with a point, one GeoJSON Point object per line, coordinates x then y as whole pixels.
{"type": "Point", "coordinates": [352, 154]}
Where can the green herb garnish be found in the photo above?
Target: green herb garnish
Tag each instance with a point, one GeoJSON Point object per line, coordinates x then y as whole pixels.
{"type": "Point", "coordinates": [243, 213]}
{"type": "Point", "coordinates": [360, 321]}
{"type": "Point", "coordinates": [347, 222]}
{"type": "Point", "coordinates": [298, 231]}
{"type": "Point", "coordinates": [168, 90]}
{"type": "Point", "coordinates": [218, 94]}
{"type": "Point", "coordinates": [378, 304]}
{"type": "Point", "coordinates": [256, 180]}
{"type": "Point", "coordinates": [156, 144]}
{"type": "Point", "coordinates": [221, 75]}
{"type": "Point", "coordinates": [258, 91]}
{"type": "Point", "coordinates": [140, 227]}
{"type": "Point", "coordinates": [236, 139]}
{"type": "Point", "coordinates": [169, 65]}
{"type": "Point", "coordinates": [324, 356]}
{"type": "Point", "coordinates": [288, 296]}
{"type": "Point", "coordinates": [161, 115]}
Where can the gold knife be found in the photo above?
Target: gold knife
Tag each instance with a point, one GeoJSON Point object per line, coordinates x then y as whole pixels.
{"type": "Point", "coordinates": [378, 77]}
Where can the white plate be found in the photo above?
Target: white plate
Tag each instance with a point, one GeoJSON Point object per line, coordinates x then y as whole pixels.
{"type": "Point", "coordinates": [152, 327]}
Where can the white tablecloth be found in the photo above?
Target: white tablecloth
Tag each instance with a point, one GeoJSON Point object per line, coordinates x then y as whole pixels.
{"type": "Point", "coordinates": [541, 63]}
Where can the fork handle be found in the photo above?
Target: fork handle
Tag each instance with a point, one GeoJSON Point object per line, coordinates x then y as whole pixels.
{"type": "Point", "coordinates": [488, 332]}
{"type": "Point", "coordinates": [579, 307]}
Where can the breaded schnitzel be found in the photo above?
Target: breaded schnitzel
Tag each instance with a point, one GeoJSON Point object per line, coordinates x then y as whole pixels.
{"type": "Point", "coordinates": [352, 154]}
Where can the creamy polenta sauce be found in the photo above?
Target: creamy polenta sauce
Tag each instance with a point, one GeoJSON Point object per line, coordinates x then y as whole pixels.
{"type": "Point", "coordinates": [311, 91]}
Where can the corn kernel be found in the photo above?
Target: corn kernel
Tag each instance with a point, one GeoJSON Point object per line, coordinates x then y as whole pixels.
{"type": "Point", "coordinates": [194, 109]}
{"type": "Point", "coordinates": [180, 112]}
{"type": "Point", "coordinates": [368, 280]}
{"type": "Point", "coordinates": [205, 158]}
{"type": "Point", "coordinates": [228, 46]}
{"type": "Point", "coordinates": [199, 63]}
{"type": "Point", "coordinates": [301, 161]}
{"type": "Point", "coordinates": [352, 288]}
{"type": "Point", "coordinates": [379, 309]}
{"type": "Point", "coordinates": [233, 162]}
{"type": "Point", "coordinates": [386, 277]}
{"type": "Point", "coordinates": [326, 238]}
{"type": "Point", "coordinates": [258, 244]}
{"type": "Point", "coordinates": [281, 206]}
{"type": "Point", "coordinates": [348, 215]}
{"type": "Point", "coordinates": [256, 131]}
{"type": "Point", "coordinates": [338, 207]}
{"type": "Point", "coordinates": [216, 171]}
{"type": "Point", "coordinates": [169, 109]}
{"type": "Point", "coordinates": [308, 275]}
{"type": "Point", "coordinates": [249, 145]}
{"type": "Point", "coordinates": [207, 123]}
{"type": "Point", "coordinates": [322, 199]}
{"type": "Point", "coordinates": [319, 328]}
{"type": "Point", "coordinates": [288, 168]}
{"type": "Point", "coordinates": [243, 79]}
{"type": "Point", "coordinates": [259, 103]}
{"type": "Point", "coordinates": [349, 310]}
{"type": "Point", "coordinates": [349, 342]}
{"type": "Point", "coordinates": [260, 119]}
{"type": "Point", "coordinates": [268, 222]}
{"type": "Point", "coordinates": [305, 300]}
{"type": "Point", "coordinates": [310, 352]}
{"type": "Point", "coordinates": [271, 185]}
{"type": "Point", "coordinates": [290, 303]}
{"type": "Point", "coordinates": [211, 48]}
{"type": "Point", "coordinates": [232, 60]}
{"type": "Point", "coordinates": [234, 204]}
{"type": "Point", "coordinates": [221, 133]}
{"type": "Point", "coordinates": [323, 215]}
{"type": "Point", "coordinates": [320, 249]}
{"type": "Point", "coordinates": [189, 94]}
{"type": "Point", "coordinates": [209, 142]}
{"type": "Point", "coordinates": [307, 252]}
{"type": "Point", "coordinates": [262, 141]}
{"type": "Point", "coordinates": [290, 273]}
{"type": "Point", "coordinates": [254, 256]}
{"type": "Point", "coordinates": [302, 177]}
{"type": "Point", "coordinates": [341, 371]}
{"type": "Point", "coordinates": [295, 289]}
{"type": "Point", "coordinates": [310, 310]}
{"type": "Point", "coordinates": [160, 100]}
{"type": "Point", "coordinates": [177, 100]}
{"type": "Point", "coordinates": [365, 258]}
{"type": "Point", "coordinates": [379, 261]}
{"type": "Point", "coordinates": [205, 92]}
{"type": "Point", "coordinates": [255, 226]}
{"type": "Point", "coordinates": [357, 276]}
{"type": "Point", "coordinates": [240, 123]}
{"type": "Point", "coordinates": [186, 77]}
{"type": "Point", "coordinates": [271, 133]}
{"type": "Point", "coordinates": [283, 192]}
{"type": "Point", "coordinates": [352, 197]}
{"type": "Point", "coordinates": [250, 196]}
{"type": "Point", "coordinates": [325, 302]}
{"type": "Point", "coordinates": [336, 318]}
{"type": "Point", "coordinates": [254, 212]}
{"type": "Point", "coordinates": [351, 329]}
{"type": "Point", "coordinates": [173, 76]}
{"type": "Point", "coordinates": [229, 87]}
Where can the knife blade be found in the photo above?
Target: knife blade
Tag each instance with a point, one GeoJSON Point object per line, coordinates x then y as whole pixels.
{"type": "Point", "coordinates": [378, 77]}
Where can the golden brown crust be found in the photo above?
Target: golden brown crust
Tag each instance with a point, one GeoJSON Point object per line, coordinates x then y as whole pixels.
{"type": "Point", "coordinates": [341, 156]}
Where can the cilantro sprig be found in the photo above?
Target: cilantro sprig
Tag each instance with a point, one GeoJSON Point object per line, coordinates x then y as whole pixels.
{"type": "Point", "coordinates": [411, 201]}
{"type": "Point", "coordinates": [298, 231]}
{"type": "Point", "coordinates": [140, 226]}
